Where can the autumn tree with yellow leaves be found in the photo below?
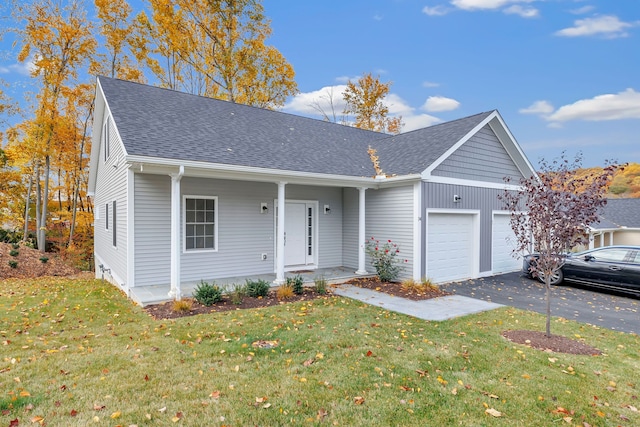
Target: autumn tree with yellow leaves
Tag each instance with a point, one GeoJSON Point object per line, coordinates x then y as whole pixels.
{"type": "Point", "coordinates": [365, 102]}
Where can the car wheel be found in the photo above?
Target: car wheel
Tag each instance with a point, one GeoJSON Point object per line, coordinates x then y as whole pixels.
{"type": "Point", "coordinates": [556, 277]}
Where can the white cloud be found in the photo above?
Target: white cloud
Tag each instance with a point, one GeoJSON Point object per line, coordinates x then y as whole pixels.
{"type": "Point", "coordinates": [582, 10]}
{"type": "Point", "coordinates": [430, 84]}
{"type": "Point", "coordinates": [607, 25]}
{"type": "Point", "coordinates": [440, 103]}
{"type": "Point", "coordinates": [308, 102]}
{"type": "Point", "coordinates": [439, 10]}
{"type": "Point", "coordinates": [623, 105]}
{"type": "Point", "coordinates": [485, 4]}
{"type": "Point", "coordinates": [25, 68]}
{"type": "Point", "coordinates": [523, 11]}
{"type": "Point", "coordinates": [538, 107]}
{"type": "Point", "coordinates": [377, 17]}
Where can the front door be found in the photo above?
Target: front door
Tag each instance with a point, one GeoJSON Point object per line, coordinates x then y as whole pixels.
{"type": "Point", "coordinates": [299, 233]}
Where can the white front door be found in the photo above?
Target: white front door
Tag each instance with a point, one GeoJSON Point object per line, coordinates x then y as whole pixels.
{"type": "Point", "coordinates": [300, 233]}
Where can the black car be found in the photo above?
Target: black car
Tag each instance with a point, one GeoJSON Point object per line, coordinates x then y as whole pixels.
{"type": "Point", "coordinates": [609, 267]}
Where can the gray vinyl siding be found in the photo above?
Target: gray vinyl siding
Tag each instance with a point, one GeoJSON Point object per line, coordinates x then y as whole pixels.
{"type": "Point", "coordinates": [152, 219]}
{"type": "Point", "coordinates": [350, 243]}
{"type": "Point", "coordinates": [485, 200]}
{"type": "Point", "coordinates": [481, 158]}
{"type": "Point", "coordinates": [389, 216]}
{"type": "Point", "coordinates": [243, 232]}
{"type": "Point", "coordinates": [111, 185]}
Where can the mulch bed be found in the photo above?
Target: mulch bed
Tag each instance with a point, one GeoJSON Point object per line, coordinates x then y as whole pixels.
{"type": "Point", "coordinates": [555, 343]}
{"type": "Point", "coordinates": [396, 289]}
{"type": "Point", "coordinates": [29, 264]}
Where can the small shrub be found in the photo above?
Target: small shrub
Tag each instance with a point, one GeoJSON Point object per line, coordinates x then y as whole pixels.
{"type": "Point", "coordinates": [15, 246]}
{"type": "Point", "coordinates": [285, 292]}
{"type": "Point", "coordinates": [320, 285]}
{"type": "Point", "coordinates": [237, 293]}
{"type": "Point", "coordinates": [424, 286]}
{"type": "Point", "coordinates": [257, 288]}
{"type": "Point", "coordinates": [182, 306]}
{"type": "Point", "coordinates": [44, 259]}
{"type": "Point", "coordinates": [384, 258]}
{"type": "Point", "coordinates": [13, 252]}
{"type": "Point", "coordinates": [207, 294]}
{"type": "Point", "coordinates": [13, 264]}
{"type": "Point", "coordinates": [296, 284]}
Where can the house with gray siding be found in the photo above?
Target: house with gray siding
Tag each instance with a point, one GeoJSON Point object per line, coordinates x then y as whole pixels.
{"type": "Point", "coordinates": [188, 188]}
{"type": "Point", "coordinates": [619, 224]}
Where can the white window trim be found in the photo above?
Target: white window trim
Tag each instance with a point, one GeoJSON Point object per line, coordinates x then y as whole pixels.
{"type": "Point", "coordinates": [184, 224]}
{"type": "Point", "coordinates": [106, 216]}
{"type": "Point", "coordinates": [114, 225]}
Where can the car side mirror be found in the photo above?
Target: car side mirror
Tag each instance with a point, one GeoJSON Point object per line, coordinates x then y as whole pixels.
{"type": "Point", "coordinates": [589, 258]}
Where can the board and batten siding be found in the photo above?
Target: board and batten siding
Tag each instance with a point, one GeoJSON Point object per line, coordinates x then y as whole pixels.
{"type": "Point", "coordinates": [390, 216]}
{"type": "Point", "coordinates": [244, 233]}
{"type": "Point", "coordinates": [481, 158]}
{"type": "Point", "coordinates": [440, 196]}
{"type": "Point", "coordinates": [111, 185]}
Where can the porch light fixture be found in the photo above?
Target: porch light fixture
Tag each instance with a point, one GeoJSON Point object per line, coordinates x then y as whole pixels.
{"type": "Point", "coordinates": [456, 198]}
{"type": "Point", "coordinates": [264, 208]}
{"type": "Point", "coordinates": [327, 210]}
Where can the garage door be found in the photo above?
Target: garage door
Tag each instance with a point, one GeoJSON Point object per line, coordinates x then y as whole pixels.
{"type": "Point", "coordinates": [450, 245]}
{"type": "Point", "coordinates": [503, 243]}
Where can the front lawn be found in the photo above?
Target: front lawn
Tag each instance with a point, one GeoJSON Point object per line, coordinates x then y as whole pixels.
{"type": "Point", "coordinates": [77, 352]}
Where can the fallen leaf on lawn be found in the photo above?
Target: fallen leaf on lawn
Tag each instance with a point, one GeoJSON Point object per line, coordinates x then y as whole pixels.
{"type": "Point", "coordinates": [116, 415]}
{"type": "Point", "coordinates": [633, 408]}
{"type": "Point", "coordinates": [321, 414]}
{"type": "Point", "coordinates": [98, 407]}
{"type": "Point", "coordinates": [454, 391]}
{"type": "Point", "coordinates": [319, 355]}
{"type": "Point", "coordinates": [261, 399]}
{"type": "Point", "coordinates": [37, 419]}
{"type": "Point", "coordinates": [308, 362]}
{"type": "Point", "coordinates": [568, 420]}
{"type": "Point", "coordinates": [25, 393]}
{"type": "Point", "coordinates": [421, 372]}
{"type": "Point", "coordinates": [266, 406]}
{"type": "Point", "coordinates": [493, 412]}
{"type": "Point", "coordinates": [526, 376]}
{"type": "Point", "coordinates": [358, 400]}
{"type": "Point", "coordinates": [264, 344]}
{"type": "Point", "coordinates": [163, 409]}
{"type": "Point", "coordinates": [369, 353]}
{"type": "Point", "coordinates": [215, 394]}
{"type": "Point", "coordinates": [177, 417]}
{"type": "Point", "coordinates": [73, 413]}
{"type": "Point", "coordinates": [14, 423]}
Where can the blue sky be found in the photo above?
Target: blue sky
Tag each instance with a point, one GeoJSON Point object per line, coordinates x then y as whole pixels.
{"type": "Point", "coordinates": [564, 74]}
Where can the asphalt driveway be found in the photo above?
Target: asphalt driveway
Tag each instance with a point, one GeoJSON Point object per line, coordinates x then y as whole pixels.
{"type": "Point", "coordinates": [610, 311]}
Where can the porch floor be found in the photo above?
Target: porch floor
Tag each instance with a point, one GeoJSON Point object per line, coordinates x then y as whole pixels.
{"type": "Point", "coordinates": [145, 295]}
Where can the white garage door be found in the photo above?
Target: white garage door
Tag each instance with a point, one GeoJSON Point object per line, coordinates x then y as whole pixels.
{"type": "Point", "coordinates": [450, 245]}
{"type": "Point", "coordinates": [503, 243]}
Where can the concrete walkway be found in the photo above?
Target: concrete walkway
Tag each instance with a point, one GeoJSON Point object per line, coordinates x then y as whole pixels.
{"type": "Point", "coordinates": [442, 308]}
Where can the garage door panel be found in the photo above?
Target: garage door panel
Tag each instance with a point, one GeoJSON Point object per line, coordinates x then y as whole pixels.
{"type": "Point", "coordinates": [503, 243]}
{"type": "Point", "coordinates": [450, 247]}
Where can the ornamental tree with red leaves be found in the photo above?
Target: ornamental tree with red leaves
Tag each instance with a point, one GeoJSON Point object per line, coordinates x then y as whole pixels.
{"type": "Point", "coordinates": [551, 213]}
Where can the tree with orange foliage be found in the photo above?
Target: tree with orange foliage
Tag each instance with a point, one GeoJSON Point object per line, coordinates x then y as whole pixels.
{"type": "Point", "coordinates": [59, 42]}
{"type": "Point", "coordinates": [217, 49]}
{"type": "Point", "coordinates": [365, 101]}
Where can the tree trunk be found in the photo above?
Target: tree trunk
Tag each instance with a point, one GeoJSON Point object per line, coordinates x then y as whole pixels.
{"type": "Point", "coordinates": [26, 210]}
{"type": "Point", "coordinates": [38, 200]}
{"type": "Point", "coordinates": [42, 231]}
{"type": "Point", "coordinates": [76, 189]}
{"type": "Point", "coordinates": [547, 282]}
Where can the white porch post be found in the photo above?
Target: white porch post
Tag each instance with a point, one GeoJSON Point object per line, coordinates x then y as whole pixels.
{"type": "Point", "coordinates": [280, 237]}
{"type": "Point", "coordinates": [175, 292]}
{"type": "Point", "coordinates": [592, 238]}
{"type": "Point", "coordinates": [611, 238]}
{"type": "Point", "coordinates": [361, 231]}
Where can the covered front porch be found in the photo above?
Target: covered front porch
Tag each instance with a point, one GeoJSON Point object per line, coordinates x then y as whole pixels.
{"type": "Point", "coordinates": [146, 295]}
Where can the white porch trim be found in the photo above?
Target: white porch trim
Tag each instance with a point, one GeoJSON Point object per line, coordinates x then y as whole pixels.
{"type": "Point", "coordinates": [280, 237]}
{"type": "Point", "coordinates": [175, 292]}
{"type": "Point", "coordinates": [361, 231]}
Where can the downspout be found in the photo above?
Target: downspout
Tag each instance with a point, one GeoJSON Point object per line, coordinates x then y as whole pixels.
{"type": "Point", "coordinates": [175, 292]}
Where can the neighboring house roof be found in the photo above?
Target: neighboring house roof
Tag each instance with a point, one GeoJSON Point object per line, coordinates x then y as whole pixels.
{"type": "Point", "coordinates": [163, 126]}
{"type": "Point", "coordinates": [620, 213]}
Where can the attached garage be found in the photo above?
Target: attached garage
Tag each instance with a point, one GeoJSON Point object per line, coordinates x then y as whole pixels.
{"type": "Point", "coordinates": [503, 242]}
{"type": "Point", "coordinates": [452, 243]}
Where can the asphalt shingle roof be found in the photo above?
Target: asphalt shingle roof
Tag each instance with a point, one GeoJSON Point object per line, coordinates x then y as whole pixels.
{"type": "Point", "coordinates": [162, 123]}
{"type": "Point", "coordinates": [621, 212]}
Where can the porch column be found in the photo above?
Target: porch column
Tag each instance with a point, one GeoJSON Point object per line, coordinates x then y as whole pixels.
{"type": "Point", "coordinates": [592, 238]}
{"type": "Point", "coordinates": [281, 235]}
{"type": "Point", "coordinates": [611, 238]}
{"type": "Point", "coordinates": [361, 231]}
{"type": "Point", "coordinates": [175, 292]}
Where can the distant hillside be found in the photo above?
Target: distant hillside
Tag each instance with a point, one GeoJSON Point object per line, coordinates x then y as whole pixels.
{"type": "Point", "coordinates": [626, 183]}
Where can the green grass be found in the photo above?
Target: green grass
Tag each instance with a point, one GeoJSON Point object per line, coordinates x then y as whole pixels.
{"type": "Point", "coordinates": [79, 353]}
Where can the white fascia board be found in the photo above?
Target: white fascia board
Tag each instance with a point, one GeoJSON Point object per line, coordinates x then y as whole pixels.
{"type": "Point", "coordinates": [472, 183]}
{"type": "Point", "coordinates": [249, 173]}
{"type": "Point", "coordinates": [427, 172]}
{"type": "Point", "coordinates": [94, 157]}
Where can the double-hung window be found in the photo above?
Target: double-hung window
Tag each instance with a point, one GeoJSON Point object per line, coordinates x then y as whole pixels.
{"type": "Point", "coordinates": [200, 223]}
